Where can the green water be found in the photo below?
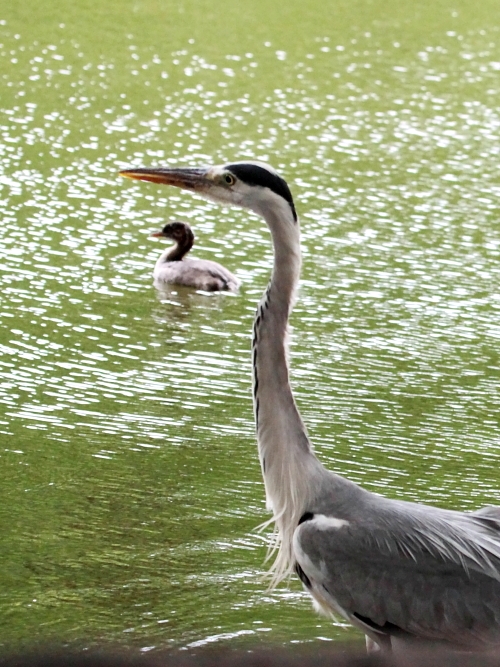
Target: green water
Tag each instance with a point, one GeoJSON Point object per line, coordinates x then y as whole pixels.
{"type": "Point", "coordinates": [130, 488]}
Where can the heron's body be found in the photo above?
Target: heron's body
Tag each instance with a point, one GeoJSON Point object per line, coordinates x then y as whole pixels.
{"type": "Point", "coordinates": [402, 572]}
{"type": "Point", "coordinates": [173, 267]}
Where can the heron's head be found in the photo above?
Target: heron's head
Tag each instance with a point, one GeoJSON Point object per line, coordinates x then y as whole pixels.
{"type": "Point", "coordinates": [253, 185]}
{"type": "Point", "coordinates": [180, 232]}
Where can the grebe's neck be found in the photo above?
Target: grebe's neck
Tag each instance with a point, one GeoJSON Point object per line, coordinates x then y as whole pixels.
{"type": "Point", "coordinates": [180, 249]}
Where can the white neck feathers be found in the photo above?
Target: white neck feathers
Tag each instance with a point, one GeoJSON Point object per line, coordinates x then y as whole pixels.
{"type": "Point", "coordinates": [286, 455]}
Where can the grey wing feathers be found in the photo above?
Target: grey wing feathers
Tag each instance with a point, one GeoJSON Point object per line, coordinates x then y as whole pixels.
{"type": "Point", "coordinates": [491, 513]}
{"type": "Point", "coordinates": [223, 279]}
{"type": "Point", "coordinates": [430, 573]}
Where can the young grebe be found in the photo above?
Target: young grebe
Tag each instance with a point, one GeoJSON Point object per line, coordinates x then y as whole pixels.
{"type": "Point", "coordinates": [173, 267]}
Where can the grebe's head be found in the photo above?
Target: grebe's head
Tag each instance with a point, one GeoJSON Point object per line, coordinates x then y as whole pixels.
{"type": "Point", "coordinates": [180, 232]}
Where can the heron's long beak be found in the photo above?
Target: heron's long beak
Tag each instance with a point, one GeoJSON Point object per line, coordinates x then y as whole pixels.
{"type": "Point", "coordinates": [188, 178]}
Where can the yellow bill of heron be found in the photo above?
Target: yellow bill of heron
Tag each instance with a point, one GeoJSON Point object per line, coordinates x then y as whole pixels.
{"type": "Point", "coordinates": [187, 178]}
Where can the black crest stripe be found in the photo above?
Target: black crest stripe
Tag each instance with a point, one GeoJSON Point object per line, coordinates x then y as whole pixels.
{"type": "Point", "coordinates": [253, 174]}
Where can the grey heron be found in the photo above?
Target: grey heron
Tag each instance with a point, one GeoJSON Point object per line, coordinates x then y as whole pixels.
{"type": "Point", "coordinates": [402, 572]}
{"type": "Point", "coordinates": [173, 267]}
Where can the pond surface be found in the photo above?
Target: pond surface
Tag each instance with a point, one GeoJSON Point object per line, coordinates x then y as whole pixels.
{"type": "Point", "coordinates": [130, 488]}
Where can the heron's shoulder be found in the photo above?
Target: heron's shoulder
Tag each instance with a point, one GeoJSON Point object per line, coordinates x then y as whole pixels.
{"type": "Point", "coordinates": [374, 527]}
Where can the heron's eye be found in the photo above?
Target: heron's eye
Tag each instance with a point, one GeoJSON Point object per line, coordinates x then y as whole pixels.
{"type": "Point", "coordinates": [229, 179]}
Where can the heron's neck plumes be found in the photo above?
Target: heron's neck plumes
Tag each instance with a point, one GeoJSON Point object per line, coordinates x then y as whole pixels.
{"type": "Point", "coordinates": [286, 455]}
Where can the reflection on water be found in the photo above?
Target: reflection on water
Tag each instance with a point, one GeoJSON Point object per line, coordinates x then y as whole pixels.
{"type": "Point", "coordinates": [130, 475]}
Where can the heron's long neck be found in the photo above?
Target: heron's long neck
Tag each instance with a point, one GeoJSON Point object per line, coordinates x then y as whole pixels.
{"type": "Point", "coordinates": [286, 455]}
